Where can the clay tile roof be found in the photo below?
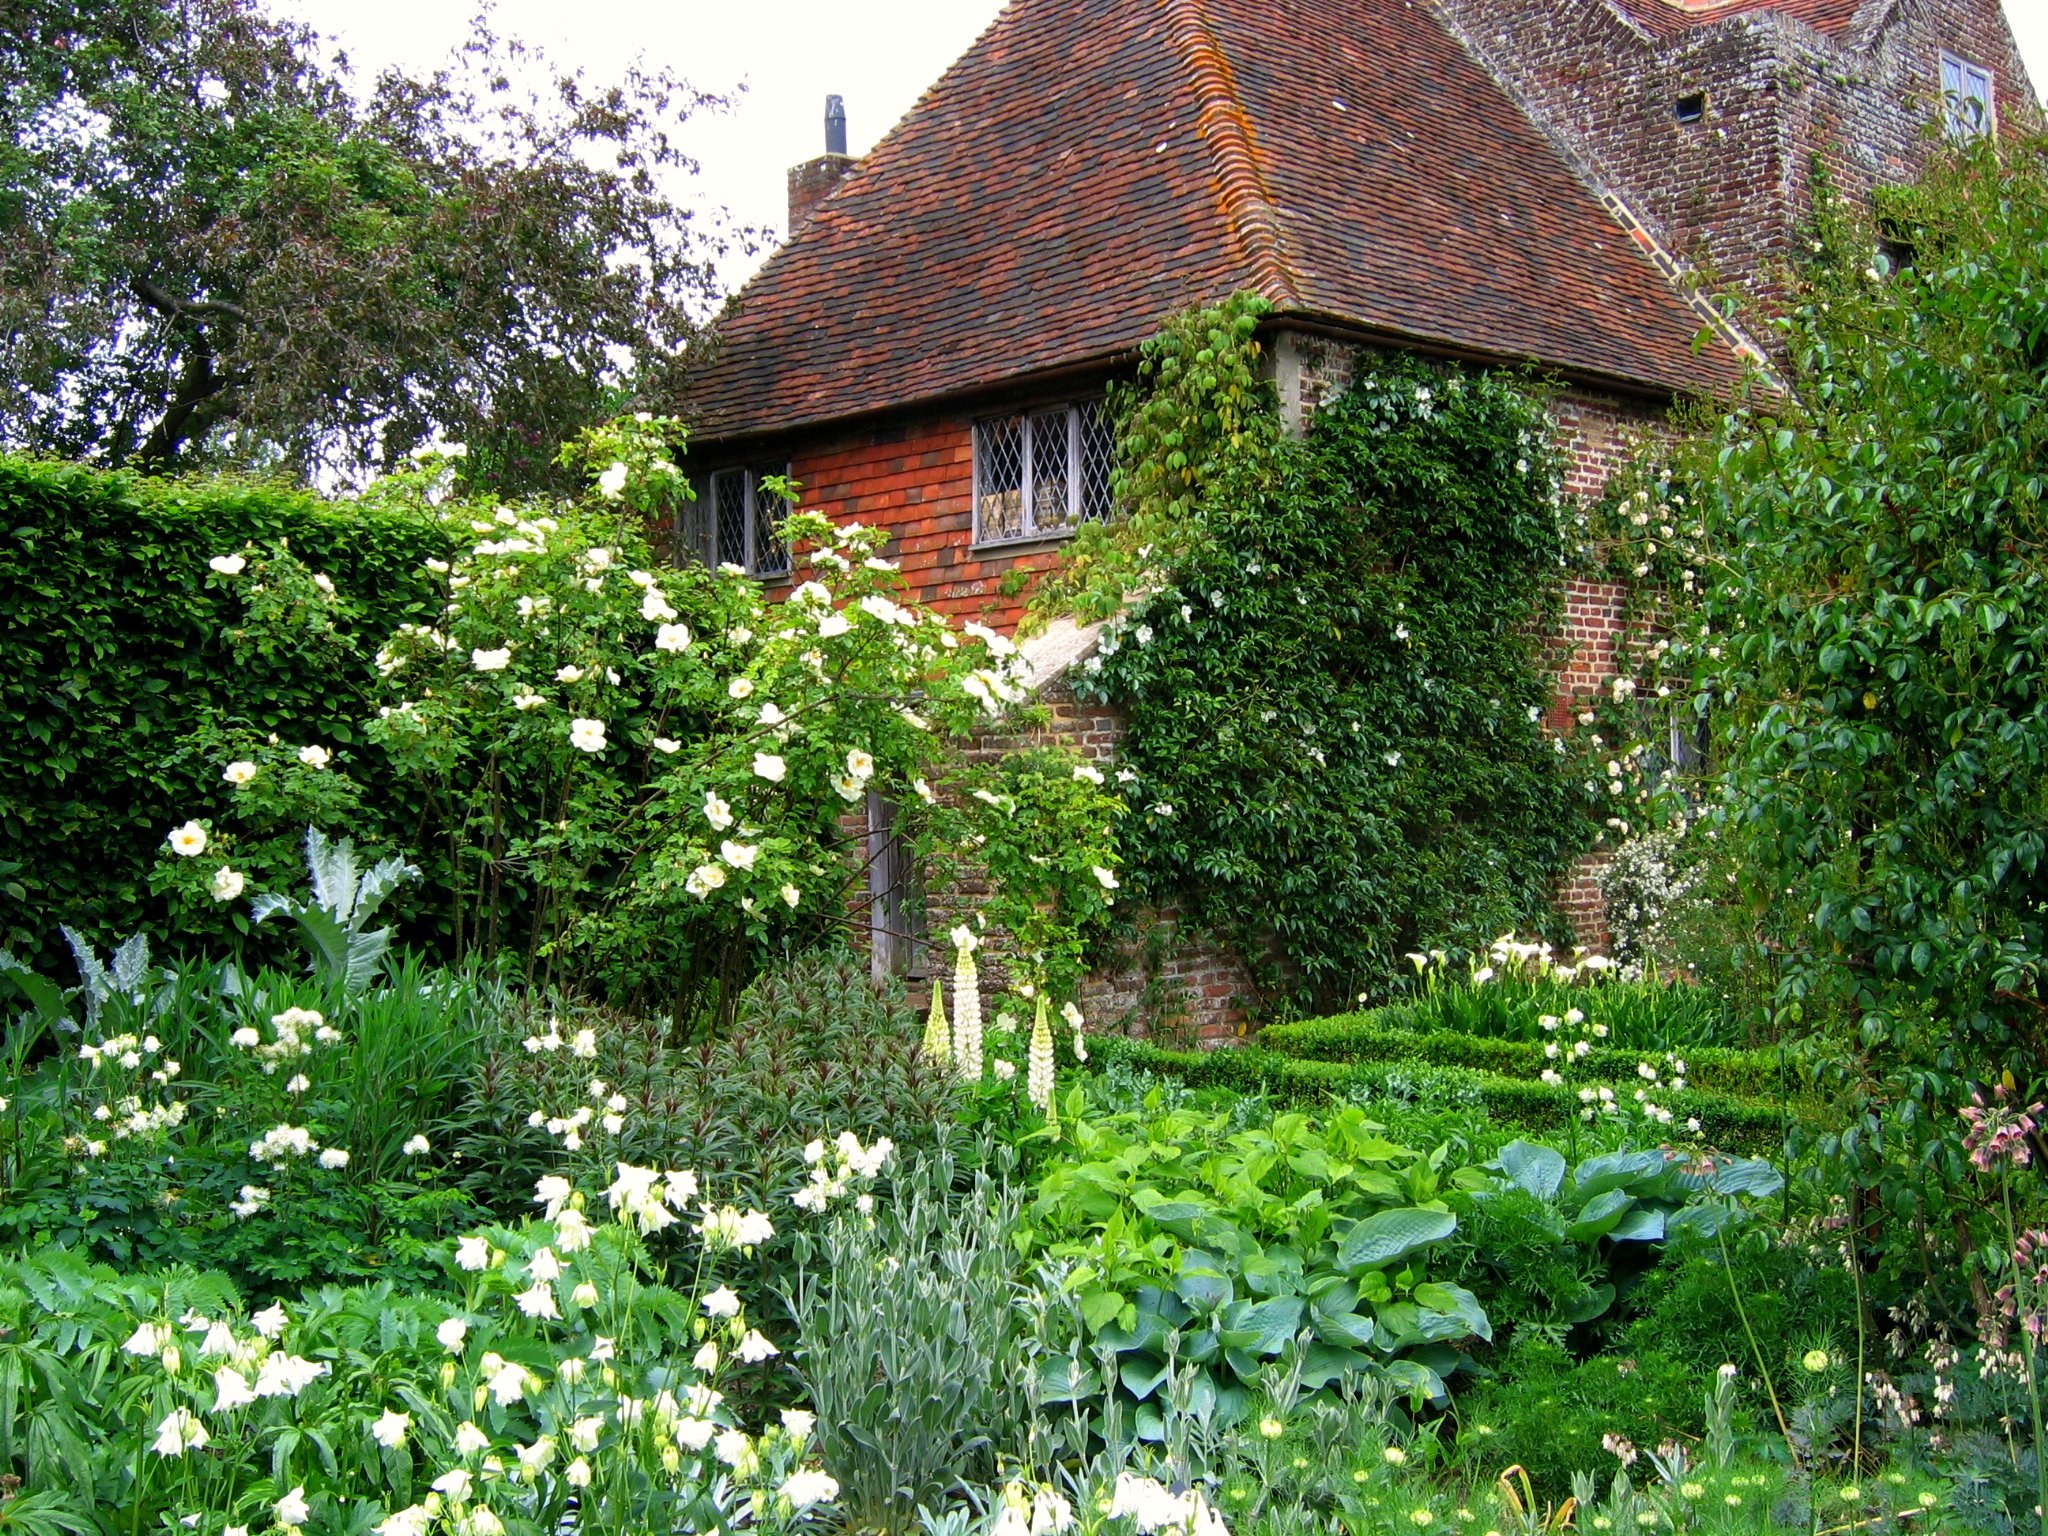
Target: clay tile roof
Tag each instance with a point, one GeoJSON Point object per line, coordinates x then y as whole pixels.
{"type": "Point", "coordinates": [1667, 18]}
{"type": "Point", "coordinates": [1089, 166]}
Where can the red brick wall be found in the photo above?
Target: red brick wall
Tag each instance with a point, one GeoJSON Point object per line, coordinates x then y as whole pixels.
{"type": "Point", "coordinates": [1730, 192]}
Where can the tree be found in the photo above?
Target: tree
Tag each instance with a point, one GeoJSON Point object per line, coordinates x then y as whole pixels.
{"type": "Point", "coordinates": [212, 251]}
{"type": "Point", "coordinates": [1872, 649]}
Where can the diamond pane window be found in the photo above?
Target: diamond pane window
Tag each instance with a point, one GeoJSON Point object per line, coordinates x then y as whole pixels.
{"type": "Point", "coordinates": [1040, 475]}
{"type": "Point", "coordinates": [734, 521]}
{"type": "Point", "coordinates": [1967, 90]}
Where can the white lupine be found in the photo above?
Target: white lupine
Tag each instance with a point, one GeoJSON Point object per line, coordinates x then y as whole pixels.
{"type": "Point", "coordinates": [938, 1035]}
{"type": "Point", "coordinates": [1038, 1080]}
{"type": "Point", "coordinates": [966, 1006]}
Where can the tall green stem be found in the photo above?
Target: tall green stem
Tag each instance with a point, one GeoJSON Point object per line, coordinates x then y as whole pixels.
{"type": "Point", "coordinates": [1756, 1350]}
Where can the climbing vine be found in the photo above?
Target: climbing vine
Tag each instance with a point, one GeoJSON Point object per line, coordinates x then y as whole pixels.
{"type": "Point", "coordinates": [1335, 686]}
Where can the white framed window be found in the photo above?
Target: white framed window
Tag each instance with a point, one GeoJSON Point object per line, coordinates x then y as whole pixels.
{"type": "Point", "coordinates": [1967, 97]}
{"type": "Point", "coordinates": [1039, 474]}
{"type": "Point", "coordinates": [734, 521]}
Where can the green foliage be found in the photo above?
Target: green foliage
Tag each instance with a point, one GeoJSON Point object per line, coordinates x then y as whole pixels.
{"type": "Point", "coordinates": [1335, 691]}
{"type": "Point", "coordinates": [912, 1330]}
{"type": "Point", "coordinates": [1402, 1084]}
{"type": "Point", "coordinates": [221, 249]}
{"type": "Point", "coordinates": [1869, 652]}
{"type": "Point", "coordinates": [1189, 1242]}
{"type": "Point", "coordinates": [128, 659]}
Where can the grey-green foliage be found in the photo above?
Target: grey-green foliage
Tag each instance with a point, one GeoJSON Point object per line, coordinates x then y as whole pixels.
{"type": "Point", "coordinates": [334, 925]}
{"type": "Point", "coordinates": [911, 1346]}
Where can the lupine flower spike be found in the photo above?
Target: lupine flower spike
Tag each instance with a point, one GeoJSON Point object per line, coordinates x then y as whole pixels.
{"type": "Point", "coordinates": [938, 1035]}
{"type": "Point", "coordinates": [1038, 1082]}
{"type": "Point", "coordinates": [966, 1006]}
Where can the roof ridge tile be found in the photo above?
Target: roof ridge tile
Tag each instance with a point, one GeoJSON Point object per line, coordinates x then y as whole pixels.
{"type": "Point", "coordinates": [1223, 123]}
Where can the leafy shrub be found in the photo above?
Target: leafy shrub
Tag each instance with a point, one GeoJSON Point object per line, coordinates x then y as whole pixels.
{"type": "Point", "coordinates": [1511, 1101]}
{"type": "Point", "coordinates": [555, 1346]}
{"type": "Point", "coordinates": [126, 654]}
{"type": "Point", "coordinates": [911, 1344]}
{"type": "Point", "coordinates": [1190, 1242]}
{"type": "Point", "coordinates": [1334, 693]}
{"type": "Point", "coordinates": [266, 1124]}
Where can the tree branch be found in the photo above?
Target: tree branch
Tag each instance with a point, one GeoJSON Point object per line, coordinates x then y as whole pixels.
{"type": "Point", "coordinates": [172, 307]}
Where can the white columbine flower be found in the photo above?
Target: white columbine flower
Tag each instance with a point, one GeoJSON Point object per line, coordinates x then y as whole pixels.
{"type": "Point", "coordinates": [228, 883]}
{"type": "Point", "coordinates": [452, 1332]}
{"type": "Point", "coordinates": [755, 1348]}
{"type": "Point", "coordinates": [389, 1431]}
{"type": "Point", "coordinates": [804, 1489]}
{"type": "Point", "coordinates": [586, 735]}
{"type": "Point", "coordinates": [473, 1254]}
{"type": "Point", "coordinates": [230, 1390]}
{"type": "Point", "coordinates": [188, 841]}
{"type": "Point", "coordinates": [722, 1302]}
{"type": "Point", "coordinates": [293, 1509]}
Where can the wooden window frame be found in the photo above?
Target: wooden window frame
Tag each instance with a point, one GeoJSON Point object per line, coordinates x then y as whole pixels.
{"type": "Point", "coordinates": [698, 531]}
{"type": "Point", "coordinates": [1075, 416]}
{"type": "Point", "coordinates": [1957, 75]}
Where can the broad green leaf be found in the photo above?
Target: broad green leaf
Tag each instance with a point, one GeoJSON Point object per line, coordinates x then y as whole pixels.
{"type": "Point", "coordinates": [1391, 1235]}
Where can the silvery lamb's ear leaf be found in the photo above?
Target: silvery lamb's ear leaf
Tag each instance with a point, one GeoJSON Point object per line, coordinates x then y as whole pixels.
{"type": "Point", "coordinates": [94, 975]}
{"type": "Point", "coordinates": [365, 953]}
{"type": "Point", "coordinates": [332, 866]}
{"type": "Point", "coordinates": [268, 905]}
{"type": "Point", "coordinates": [131, 963]}
{"type": "Point", "coordinates": [378, 884]}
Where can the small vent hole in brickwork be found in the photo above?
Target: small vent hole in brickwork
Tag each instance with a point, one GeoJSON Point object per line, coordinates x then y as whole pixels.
{"type": "Point", "coordinates": [1690, 109]}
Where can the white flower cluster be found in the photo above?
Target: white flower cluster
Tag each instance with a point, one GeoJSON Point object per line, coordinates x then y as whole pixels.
{"type": "Point", "coordinates": [1150, 1506]}
{"type": "Point", "coordinates": [850, 1161]}
{"type": "Point", "coordinates": [127, 1114]}
{"type": "Point", "coordinates": [1038, 1509]}
{"type": "Point", "coordinates": [295, 1032]}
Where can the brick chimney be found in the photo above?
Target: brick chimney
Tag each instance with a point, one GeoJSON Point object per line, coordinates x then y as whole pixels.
{"type": "Point", "coordinates": [811, 181]}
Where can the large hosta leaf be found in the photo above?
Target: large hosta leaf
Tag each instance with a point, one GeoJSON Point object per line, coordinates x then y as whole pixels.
{"type": "Point", "coordinates": [1391, 1235]}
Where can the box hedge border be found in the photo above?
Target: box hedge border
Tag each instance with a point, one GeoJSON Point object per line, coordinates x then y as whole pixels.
{"type": "Point", "coordinates": [1535, 1106]}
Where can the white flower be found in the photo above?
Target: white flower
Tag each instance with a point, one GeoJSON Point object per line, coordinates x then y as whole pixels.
{"type": "Point", "coordinates": [230, 1390]}
{"type": "Point", "coordinates": [806, 1488]}
{"type": "Point", "coordinates": [716, 811]}
{"type": "Point", "coordinates": [611, 482]}
{"type": "Point", "coordinates": [771, 715]}
{"type": "Point", "coordinates": [538, 1301]}
{"type": "Point", "coordinates": [283, 1375]}
{"type": "Point", "coordinates": [1004, 1070]}
{"type": "Point", "coordinates": [389, 1431]}
{"type": "Point", "coordinates": [655, 609]}
{"type": "Point", "coordinates": [544, 1265]}
{"type": "Point", "coordinates": [293, 1509]}
{"type": "Point", "coordinates": [315, 757]}
{"type": "Point", "coordinates": [755, 1348]}
{"type": "Point", "coordinates": [847, 787]}
{"type": "Point", "coordinates": [456, 1484]}
{"type": "Point", "coordinates": [228, 883]}
{"type": "Point", "coordinates": [491, 661]}
{"type": "Point", "coordinates": [473, 1254]}
{"type": "Point", "coordinates": [584, 1044]}
{"type": "Point", "coordinates": [239, 772]}
{"type": "Point", "coordinates": [509, 1385]}
{"type": "Point", "coordinates": [452, 1332]}
{"type": "Point", "coordinates": [334, 1157]}
{"type": "Point", "coordinates": [227, 565]}
{"type": "Point", "coordinates": [859, 764]}
{"type": "Point", "coordinates": [1107, 878]}
{"type": "Point", "coordinates": [791, 895]}
{"type": "Point", "coordinates": [739, 688]}
{"type": "Point", "coordinates": [738, 855]}
{"type": "Point", "coordinates": [704, 879]}
{"type": "Point", "coordinates": [1087, 773]}
{"type": "Point", "coordinates": [469, 1439]}
{"type": "Point", "coordinates": [833, 625]}
{"type": "Point", "coordinates": [770, 767]}
{"type": "Point", "coordinates": [672, 637]}
{"type": "Point", "coordinates": [720, 1303]}
{"type": "Point", "coordinates": [414, 1146]}
{"type": "Point", "coordinates": [586, 735]}
{"type": "Point", "coordinates": [188, 841]}
{"type": "Point", "coordinates": [413, 1520]}
{"type": "Point", "coordinates": [270, 1321]}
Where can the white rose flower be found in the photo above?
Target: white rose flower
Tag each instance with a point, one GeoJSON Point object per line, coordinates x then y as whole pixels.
{"type": "Point", "coordinates": [791, 895]}
{"type": "Point", "coordinates": [586, 735]}
{"type": "Point", "coordinates": [655, 609]}
{"type": "Point", "coordinates": [228, 883]}
{"type": "Point", "coordinates": [738, 855]}
{"type": "Point", "coordinates": [704, 879]}
{"type": "Point", "coordinates": [315, 757]}
{"type": "Point", "coordinates": [227, 565]}
{"type": "Point", "coordinates": [239, 772]}
{"type": "Point", "coordinates": [667, 746]}
{"type": "Point", "coordinates": [672, 637]}
{"type": "Point", "coordinates": [188, 841]}
{"type": "Point", "coordinates": [491, 661]}
{"type": "Point", "coordinates": [739, 688]}
{"type": "Point", "coordinates": [613, 481]}
{"type": "Point", "coordinates": [770, 767]}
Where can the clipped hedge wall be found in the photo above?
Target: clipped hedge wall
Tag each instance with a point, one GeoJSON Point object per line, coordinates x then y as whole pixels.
{"type": "Point", "coordinates": [1392, 1034]}
{"type": "Point", "coordinates": [115, 635]}
{"type": "Point", "coordinates": [1536, 1106]}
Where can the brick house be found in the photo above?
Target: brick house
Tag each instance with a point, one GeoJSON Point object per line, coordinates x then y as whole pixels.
{"type": "Point", "coordinates": [1544, 182]}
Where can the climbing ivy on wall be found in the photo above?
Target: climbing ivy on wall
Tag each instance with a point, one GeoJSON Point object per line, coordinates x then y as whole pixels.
{"type": "Point", "coordinates": [1335, 691]}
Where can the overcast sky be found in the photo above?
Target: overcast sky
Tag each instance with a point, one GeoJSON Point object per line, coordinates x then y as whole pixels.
{"type": "Point", "coordinates": [788, 54]}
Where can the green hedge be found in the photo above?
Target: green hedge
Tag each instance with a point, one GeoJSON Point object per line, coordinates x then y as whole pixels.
{"type": "Point", "coordinates": [1392, 1034]}
{"type": "Point", "coordinates": [117, 660]}
{"type": "Point", "coordinates": [1724, 1121]}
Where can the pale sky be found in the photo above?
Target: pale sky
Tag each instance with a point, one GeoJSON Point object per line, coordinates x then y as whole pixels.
{"type": "Point", "coordinates": [788, 54]}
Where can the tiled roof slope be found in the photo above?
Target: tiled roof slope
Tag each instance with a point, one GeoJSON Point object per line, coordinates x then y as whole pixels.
{"type": "Point", "coordinates": [1089, 166]}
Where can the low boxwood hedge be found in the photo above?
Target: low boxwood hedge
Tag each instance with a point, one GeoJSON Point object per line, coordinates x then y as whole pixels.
{"type": "Point", "coordinates": [1391, 1034]}
{"type": "Point", "coordinates": [1725, 1121]}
